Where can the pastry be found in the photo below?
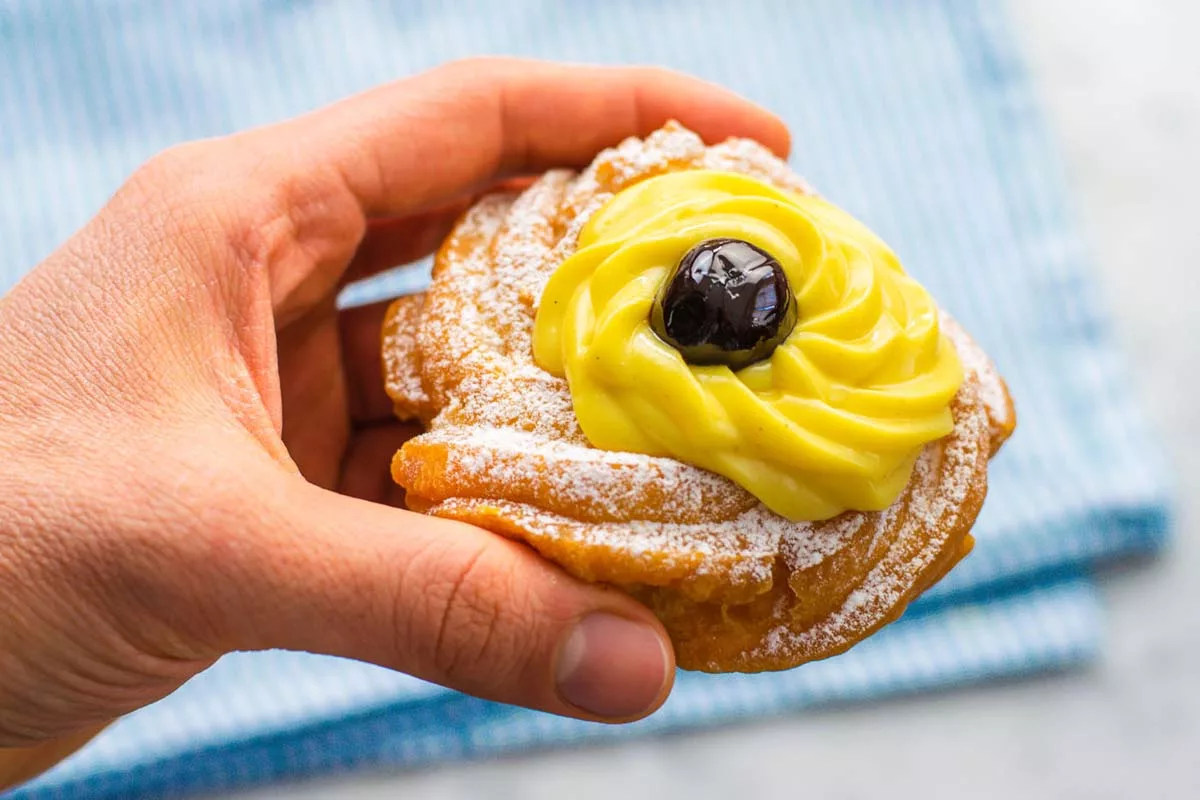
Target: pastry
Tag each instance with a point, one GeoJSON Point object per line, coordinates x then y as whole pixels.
{"type": "Point", "coordinates": [683, 373]}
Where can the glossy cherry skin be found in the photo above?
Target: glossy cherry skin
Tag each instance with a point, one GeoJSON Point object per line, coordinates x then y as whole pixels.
{"type": "Point", "coordinates": [728, 303]}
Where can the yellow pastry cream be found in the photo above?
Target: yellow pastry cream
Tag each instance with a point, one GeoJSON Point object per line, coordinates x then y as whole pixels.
{"type": "Point", "coordinates": [831, 417]}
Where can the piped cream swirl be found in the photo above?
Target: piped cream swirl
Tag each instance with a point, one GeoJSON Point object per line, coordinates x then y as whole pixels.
{"type": "Point", "coordinates": [836, 417]}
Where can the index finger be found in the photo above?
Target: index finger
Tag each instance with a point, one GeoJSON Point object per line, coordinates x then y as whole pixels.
{"type": "Point", "coordinates": [428, 139]}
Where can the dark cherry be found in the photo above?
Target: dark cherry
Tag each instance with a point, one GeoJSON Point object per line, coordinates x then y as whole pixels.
{"type": "Point", "coordinates": [728, 303]}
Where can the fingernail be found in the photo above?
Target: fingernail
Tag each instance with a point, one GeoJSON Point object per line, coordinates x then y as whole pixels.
{"type": "Point", "coordinates": [612, 667]}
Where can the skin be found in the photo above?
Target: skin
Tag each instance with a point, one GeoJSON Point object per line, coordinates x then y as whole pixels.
{"type": "Point", "coordinates": [195, 440]}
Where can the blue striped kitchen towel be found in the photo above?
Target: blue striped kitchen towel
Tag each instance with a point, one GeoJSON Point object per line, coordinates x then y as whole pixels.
{"type": "Point", "coordinates": [916, 116]}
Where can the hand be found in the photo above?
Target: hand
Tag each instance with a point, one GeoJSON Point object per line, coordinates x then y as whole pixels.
{"type": "Point", "coordinates": [195, 441]}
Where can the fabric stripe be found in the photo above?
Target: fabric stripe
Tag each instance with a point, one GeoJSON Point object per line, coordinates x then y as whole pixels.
{"type": "Point", "coordinates": [918, 117]}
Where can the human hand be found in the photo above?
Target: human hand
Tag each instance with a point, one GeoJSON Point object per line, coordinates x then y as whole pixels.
{"type": "Point", "coordinates": [195, 441]}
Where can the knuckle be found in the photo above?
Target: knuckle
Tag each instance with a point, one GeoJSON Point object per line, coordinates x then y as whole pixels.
{"type": "Point", "coordinates": [180, 194]}
{"type": "Point", "coordinates": [252, 204]}
{"type": "Point", "coordinates": [296, 229]}
{"type": "Point", "coordinates": [484, 626]}
{"type": "Point", "coordinates": [164, 167]}
{"type": "Point", "coordinates": [653, 72]}
{"type": "Point", "coordinates": [474, 66]}
{"type": "Point", "coordinates": [174, 172]}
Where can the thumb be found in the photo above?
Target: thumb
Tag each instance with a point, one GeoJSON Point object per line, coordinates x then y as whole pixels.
{"type": "Point", "coordinates": [440, 600]}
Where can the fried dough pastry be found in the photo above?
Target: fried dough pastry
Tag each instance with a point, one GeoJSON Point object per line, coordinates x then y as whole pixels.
{"type": "Point", "coordinates": [738, 586]}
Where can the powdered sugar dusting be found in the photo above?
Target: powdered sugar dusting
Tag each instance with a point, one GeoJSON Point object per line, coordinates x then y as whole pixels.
{"type": "Point", "coordinates": [446, 351]}
{"type": "Point", "coordinates": [600, 484]}
{"type": "Point", "coordinates": [511, 444]}
{"type": "Point", "coordinates": [991, 387]}
{"type": "Point", "coordinates": [401, 359]}
{"type": "Point", "coordinates": [934, 507]}
{"type": "Point", "coordinates": [751, 158]}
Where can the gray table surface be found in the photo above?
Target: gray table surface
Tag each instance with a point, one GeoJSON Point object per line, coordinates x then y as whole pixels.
{"type": "Point", "coordinates": [1118, 80]}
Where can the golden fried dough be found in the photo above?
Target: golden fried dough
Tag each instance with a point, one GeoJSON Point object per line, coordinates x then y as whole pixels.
{"type": "Point", "coordinates": [738, 587]}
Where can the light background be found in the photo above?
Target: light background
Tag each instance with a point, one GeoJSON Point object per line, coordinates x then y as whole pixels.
{"type": "Point", "coordinates": [1120, 82]}
{"type": "Point", "coordinates": [1115, 80]}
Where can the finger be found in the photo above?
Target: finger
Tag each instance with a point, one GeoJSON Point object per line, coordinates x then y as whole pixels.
{"type": "Point", "coordinates": [425, 140]}
{"type": "Point", "coordinates": [395, 241]}
{"type": "Point", "coordinates": [365, 468]}
{"type": "Point", "coordinates": [389, 243]}
{"type": "Point", "coordinates": [446, 602]}
{"type": "Point", "coordinates": [362, 363]}
{"type": "Point", "coordinates": [20, 764]}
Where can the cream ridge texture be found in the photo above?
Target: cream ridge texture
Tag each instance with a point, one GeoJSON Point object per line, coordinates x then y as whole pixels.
{"type": "Point", "coordinates": [738, 586]}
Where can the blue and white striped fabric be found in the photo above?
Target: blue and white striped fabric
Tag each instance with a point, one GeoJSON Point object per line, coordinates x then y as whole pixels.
{"type": "Point", "coordinates": [916, 116]}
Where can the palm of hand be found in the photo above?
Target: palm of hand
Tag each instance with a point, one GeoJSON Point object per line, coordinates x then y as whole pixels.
{"type": "Point", "coordinates": [187, 393]}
